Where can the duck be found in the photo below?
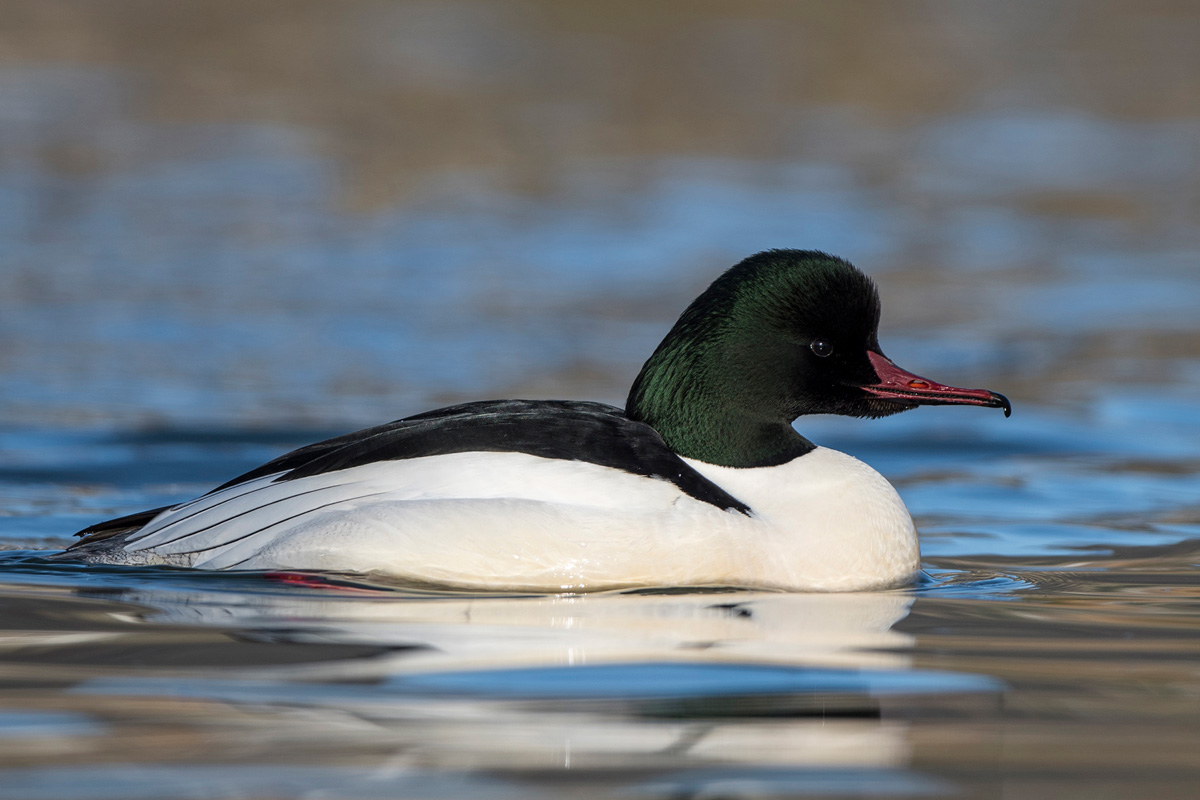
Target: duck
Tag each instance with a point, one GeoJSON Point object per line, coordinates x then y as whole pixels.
{"type": "Point", "coordinates": [702, 480]}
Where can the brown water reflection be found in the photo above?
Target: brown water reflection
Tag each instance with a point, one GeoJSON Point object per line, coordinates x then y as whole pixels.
{"type": "Point", "coordinates": [397, 91]}
{"type": "Point", "coordinates": [1102, 678]}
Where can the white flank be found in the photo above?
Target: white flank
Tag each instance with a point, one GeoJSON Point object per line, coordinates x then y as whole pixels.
{"type": "Point", "coordinates": [824, 521]}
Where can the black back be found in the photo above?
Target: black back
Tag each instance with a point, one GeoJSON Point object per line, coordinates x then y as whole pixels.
{"type": "Point", "coordinates": [562, 429]}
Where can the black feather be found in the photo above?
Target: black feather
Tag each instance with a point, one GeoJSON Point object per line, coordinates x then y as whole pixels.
{"type": "Point", "coordinates": [561, 429]}
{"type": "Point", "coordinates": [112, 527]}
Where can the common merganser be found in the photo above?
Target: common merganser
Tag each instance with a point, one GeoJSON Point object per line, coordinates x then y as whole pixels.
{"type": "Point", "coordinates": [700, 481]}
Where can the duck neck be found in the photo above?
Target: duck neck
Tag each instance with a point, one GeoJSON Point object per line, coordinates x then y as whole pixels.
{"type": "Point", "coordinates": [711, 415]}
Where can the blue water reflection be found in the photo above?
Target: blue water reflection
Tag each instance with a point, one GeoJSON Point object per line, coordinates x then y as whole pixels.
{"type": "Point", "coordinates": [188, 290]}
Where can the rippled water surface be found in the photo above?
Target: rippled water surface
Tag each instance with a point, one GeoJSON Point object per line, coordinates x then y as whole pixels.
{"type": "Point", "coordinates": [227, 230]}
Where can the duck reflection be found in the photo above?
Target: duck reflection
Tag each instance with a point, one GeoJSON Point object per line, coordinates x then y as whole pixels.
{"type": "Point", "coordinates": [619, 683]}
{"type": "Point", "coordinates": [455, 632]}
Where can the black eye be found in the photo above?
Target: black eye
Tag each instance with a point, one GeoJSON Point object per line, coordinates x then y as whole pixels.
{"type": "Point", "coordinates": [821, 348]}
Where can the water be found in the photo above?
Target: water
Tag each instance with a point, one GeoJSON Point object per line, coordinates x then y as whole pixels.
{"type": "Point", "coordinates": [226, 233]}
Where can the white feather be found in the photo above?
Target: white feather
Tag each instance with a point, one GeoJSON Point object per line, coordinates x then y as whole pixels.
{"type": "Point", "coordinates": [824, 521]}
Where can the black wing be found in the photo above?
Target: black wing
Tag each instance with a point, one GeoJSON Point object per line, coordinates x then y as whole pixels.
{"type": "Point", "coordinates": [564, 429]}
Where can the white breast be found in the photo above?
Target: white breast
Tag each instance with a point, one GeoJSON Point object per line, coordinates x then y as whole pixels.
{"type": "Point", "coordinates": [824, 521]}
{"type": "Point", "coordinates": [828, 522]}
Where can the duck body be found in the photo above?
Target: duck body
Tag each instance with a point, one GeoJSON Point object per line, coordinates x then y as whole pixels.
{"type": "Point", "coordinates": [515, 520]}
{"type": "Point", "coordinates": [700, 481]}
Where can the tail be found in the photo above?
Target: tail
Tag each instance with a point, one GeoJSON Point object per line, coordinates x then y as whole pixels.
{"type": "Point", "coordinates": [105, 537]}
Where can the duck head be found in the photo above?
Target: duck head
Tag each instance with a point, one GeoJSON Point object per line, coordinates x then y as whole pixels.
{"type": "Point", "coordinates": [783, 334]}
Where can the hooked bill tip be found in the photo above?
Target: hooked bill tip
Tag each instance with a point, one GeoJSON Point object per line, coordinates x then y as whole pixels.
{"type": "Point", "coordinates": [1004, 404]}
